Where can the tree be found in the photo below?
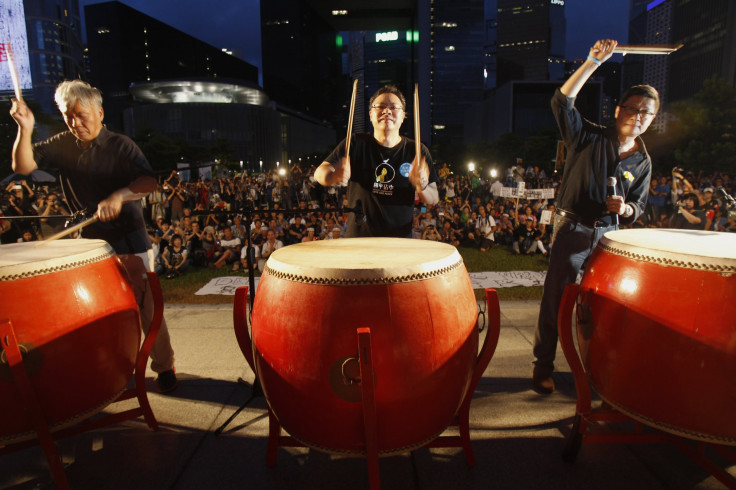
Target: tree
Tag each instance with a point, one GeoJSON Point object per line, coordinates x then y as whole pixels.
{"type": "Point", "coordinates": [161, 151]}
{"type": "Point", "coordinates": [540, 149]}
{"type": "Point", "coordinates": [704, 132]}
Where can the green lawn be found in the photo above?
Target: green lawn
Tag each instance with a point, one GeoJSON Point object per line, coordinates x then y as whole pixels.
{"type": "Point", "coordinates": [182, 289]}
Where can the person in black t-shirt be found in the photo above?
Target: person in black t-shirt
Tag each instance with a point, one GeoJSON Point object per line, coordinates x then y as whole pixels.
{"type": "Point", "coordinates": [381, 172]}
{"type": "Point", "coordinates": [105, 173]}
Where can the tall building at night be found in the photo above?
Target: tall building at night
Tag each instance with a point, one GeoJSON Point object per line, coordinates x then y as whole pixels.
{"type": "Point", "coordinates": [54, 47]}
{"type": "Point", "coordinates": [633, 64]}
{"type": "Point", "coordinates": [524, 62]}
{"type": "Point", "coordinates": [127, 46]}
{"type": "Point", "coordinates": [656, 69]}
{"type": "Point", "coordinates": [707, 28]}
{"type": "Point", "coordinates": [301, 59]}
{"type": "Point", "coordinates": [457, 62]}
{"type": "Point", "coordinates": [530, 40]}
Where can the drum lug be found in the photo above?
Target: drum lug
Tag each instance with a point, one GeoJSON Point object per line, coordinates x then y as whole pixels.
{"type": "Point", "coordinates": [32, 360]}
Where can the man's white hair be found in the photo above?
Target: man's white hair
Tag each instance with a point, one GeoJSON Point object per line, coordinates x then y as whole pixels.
{"type": "Point", "coordinates": [69, 92]}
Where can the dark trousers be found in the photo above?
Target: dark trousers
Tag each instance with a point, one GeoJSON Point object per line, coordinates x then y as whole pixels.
{"type": "Point", "coordinates": [572, 244]}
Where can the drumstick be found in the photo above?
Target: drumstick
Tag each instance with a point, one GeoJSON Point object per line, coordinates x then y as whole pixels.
{"type": "Point", "coordinates": [69, 231]}
{"type": "Point", "coordinates": [350, 118]}
{"type": "Point", "coordinates": [647, 48]}
{"type": "Point", "coordinates": [417, 139]}
{"type": "Point", "coordinates": [13, 73]}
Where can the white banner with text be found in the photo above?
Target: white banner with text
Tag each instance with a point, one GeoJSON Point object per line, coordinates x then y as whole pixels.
{"type": "Point", "coordinates": [480, 280]}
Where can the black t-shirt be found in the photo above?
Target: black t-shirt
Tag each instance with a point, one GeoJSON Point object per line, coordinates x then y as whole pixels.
{"type": "Point", "coordinates": [379, 190]}
{"type": "Point", "coordinates": [88, 176]}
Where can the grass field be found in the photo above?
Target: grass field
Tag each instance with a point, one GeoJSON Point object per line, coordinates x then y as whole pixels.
{"type": "Point", "coordinates": [181, 290]}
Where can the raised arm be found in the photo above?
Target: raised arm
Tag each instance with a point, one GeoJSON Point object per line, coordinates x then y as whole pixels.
{"type": "Point", "coordinates": [22, 156]}
{"type": "Point", "coordinates": [600, 52]}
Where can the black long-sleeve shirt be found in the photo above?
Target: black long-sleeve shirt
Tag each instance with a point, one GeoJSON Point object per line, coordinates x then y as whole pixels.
{"type": "Point", "coordinates": [593, 156]}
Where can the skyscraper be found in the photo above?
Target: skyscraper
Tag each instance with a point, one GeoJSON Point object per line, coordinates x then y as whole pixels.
{"type": "Point", "coordinates": [128, 46]}
{"type": "Point", "coordinates": [301, 58]}
{"type": "Point", "coordinates": [530, 40]}
{"type": "Point", "coordinates": [54, 47]}
{"type": "Point", "coordinates": [457, 35]}
{"type": "Point", "coordinates": [707, 28]}
{"type": "Point", "coordinates": [656, 68]}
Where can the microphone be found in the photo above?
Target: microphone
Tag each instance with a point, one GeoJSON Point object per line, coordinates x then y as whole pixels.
{"type": "Point", "coordinates": [729, 203]}
{"type": "Point", "coordinates": [611, 191]}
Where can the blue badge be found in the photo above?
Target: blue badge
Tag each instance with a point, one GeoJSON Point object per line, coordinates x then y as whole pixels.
{"type": "Point", "coordinates": [405, 168]}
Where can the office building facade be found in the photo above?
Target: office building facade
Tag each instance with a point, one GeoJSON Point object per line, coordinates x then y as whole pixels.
{"type": "Point", "coordinates": [127, 46]}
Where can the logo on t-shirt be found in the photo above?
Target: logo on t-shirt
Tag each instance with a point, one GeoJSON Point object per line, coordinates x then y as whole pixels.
{"type": "Point", "coordinates": [385, 174]}
{"type": "Point", "coordinates": [404, 169]}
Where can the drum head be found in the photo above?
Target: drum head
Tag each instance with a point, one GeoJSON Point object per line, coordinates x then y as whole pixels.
{"type": "Point", "coordinates": [694, 249]}
{"type": "Point", "coordinates": [363, 261]}
{"type": "Point", "coordinates": [19, 260]}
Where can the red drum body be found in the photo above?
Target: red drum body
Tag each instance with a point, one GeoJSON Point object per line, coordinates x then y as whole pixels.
{"type": "Point", "coordinates": [417, 300]}
{"type": "Point", "coordinates": [657, 329]}
{"type": "Point", "coordinates": [76, 320]}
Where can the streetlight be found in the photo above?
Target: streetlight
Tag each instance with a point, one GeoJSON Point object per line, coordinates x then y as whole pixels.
{"type": "Point", "coordinates": [471, 167]}
{"type": "Point", "coordinates": [260, 164]}
{"type": "Point", "coordinates": [282, 171]}
{"type": "Point", "coordinates": [494, 173]}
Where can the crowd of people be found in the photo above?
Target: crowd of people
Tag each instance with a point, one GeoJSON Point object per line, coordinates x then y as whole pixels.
{"type": "Point", "coordinates": [203, 223]}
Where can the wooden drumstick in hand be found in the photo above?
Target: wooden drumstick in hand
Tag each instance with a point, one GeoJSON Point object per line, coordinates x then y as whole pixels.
{"type": "Point", "coordinates": [350, 132]}
{"type": "Point", "coordinates": [422, 180]}
{"type": "Point", "coordinates": [68, 231]}
{"type": "Point", "coordinates": [13, 73]}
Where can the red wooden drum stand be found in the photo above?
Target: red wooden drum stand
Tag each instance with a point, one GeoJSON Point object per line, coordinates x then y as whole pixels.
{"type": "Point", "coordinates": [70, 341]}
{"type": "Point", "coordinates": [366, 346]}
{"type": "Point", "coordinates": [656, 339]}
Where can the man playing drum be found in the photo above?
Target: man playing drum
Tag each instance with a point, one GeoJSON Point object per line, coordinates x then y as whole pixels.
{"type": "Point", "coordinates": [585, 208]}
{"type": "Point", "coordinates": [107, 173]}
{"type": "Point", "coordinates": [381, 172]}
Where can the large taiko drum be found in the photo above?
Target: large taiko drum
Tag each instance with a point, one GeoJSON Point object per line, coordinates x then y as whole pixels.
{"type": "Point", "coordinates": [77, 324]}
{"type": "Point", "coordinates": [417, 300]}
{"type": "Point", "coordinates": [657, 329]}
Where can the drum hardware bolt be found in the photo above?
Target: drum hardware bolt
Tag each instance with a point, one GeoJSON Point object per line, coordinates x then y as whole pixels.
{"type": "Point", "coordinates": [351, 371]}
{"type": "Point", "coordinates": [32, 360]}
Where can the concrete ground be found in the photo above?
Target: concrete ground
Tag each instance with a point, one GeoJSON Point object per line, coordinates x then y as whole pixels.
{"type": "Point", "coordinates": [517, 435]}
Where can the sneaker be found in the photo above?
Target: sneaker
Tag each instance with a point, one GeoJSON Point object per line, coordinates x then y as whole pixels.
{"type": "Point", "coordinates": [542, 381]}
{"type": "Point", "coordinates": [166, 381]}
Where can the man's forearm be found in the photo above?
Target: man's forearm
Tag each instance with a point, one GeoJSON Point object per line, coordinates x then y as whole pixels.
{"type": "Point", "coordinates": [22, 158]}
{"type": "Point", "coordinates": [575, 83]}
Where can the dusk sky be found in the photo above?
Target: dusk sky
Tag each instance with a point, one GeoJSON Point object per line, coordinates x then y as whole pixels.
{"type": "Point", "coordinates": [234, 24]}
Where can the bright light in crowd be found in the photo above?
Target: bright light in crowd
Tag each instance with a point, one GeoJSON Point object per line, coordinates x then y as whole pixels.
{"type": "Point", "coordinates": [471, 166]}
{"type": "Point", "coordinates": [493, 173]}
{"type": "Point", "coordinates": [282, 171]}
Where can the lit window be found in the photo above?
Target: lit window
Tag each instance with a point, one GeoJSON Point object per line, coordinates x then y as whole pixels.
{"type": "Point", "coordinates": [339, 12]}
{"type": "Point", "coordinates": [103, 30]}
{"type": "Point", "coordinates": [449, 48]}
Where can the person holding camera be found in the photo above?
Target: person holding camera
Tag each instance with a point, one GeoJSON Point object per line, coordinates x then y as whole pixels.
{"type": "Point", "coordinates": [688, 215]}
{"type": "Point", "coordinates": [52, 207]}
{"type": "Point", "coordinates": [431, 233]}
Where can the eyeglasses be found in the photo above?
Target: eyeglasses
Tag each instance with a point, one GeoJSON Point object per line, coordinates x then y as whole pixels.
{"type": "Point", "coordinates": [632, 111]}
{"type": "Point", "coordinates": [383, 107]}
